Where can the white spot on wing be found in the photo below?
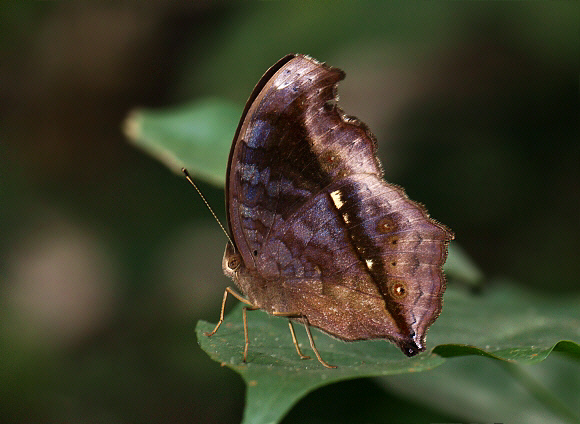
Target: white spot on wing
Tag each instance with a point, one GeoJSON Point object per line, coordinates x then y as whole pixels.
{"type": "Point", "coordinates": [336, 197]}
{"type": "Point", "coordinates": [369, 263]}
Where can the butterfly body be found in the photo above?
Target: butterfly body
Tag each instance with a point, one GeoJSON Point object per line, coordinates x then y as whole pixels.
{"type": "Point", "coordinates": [317, 233]}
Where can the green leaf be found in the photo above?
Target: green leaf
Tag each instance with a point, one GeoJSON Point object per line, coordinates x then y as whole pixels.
{"type": "Point", "coordinates": [507, 323]}
{"type": "Point", "coordinates": [481, 390]}
{"type": "Point", "coordinates": [504, 323]}
{"type": "Point", "coordinates": [196, 136]}
{"type": "Point", "coordinates": [275, 375]}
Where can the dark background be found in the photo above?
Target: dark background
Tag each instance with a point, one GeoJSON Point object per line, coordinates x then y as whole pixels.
{"type": "Point", "coordinates": [107, 260]}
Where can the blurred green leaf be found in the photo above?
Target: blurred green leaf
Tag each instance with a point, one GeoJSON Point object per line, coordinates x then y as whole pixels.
{"type": "Point", "coordinates": [496, 391]}
{"type": "Point", "coordinates": [461, 268]}
{"type": "Point", "coordinates": [504, 323]}
{"type": "Point", "coordinates": [196, 136]}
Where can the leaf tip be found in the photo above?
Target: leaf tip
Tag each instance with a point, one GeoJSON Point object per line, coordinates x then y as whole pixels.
{"type": "Point", "coordinates": [132, 125]}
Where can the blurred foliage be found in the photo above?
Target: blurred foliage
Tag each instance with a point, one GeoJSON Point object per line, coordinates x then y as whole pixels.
{"type": "Point", "coordinates": [195, 136]}
{"type": "Point", "coordinates": [107, 261]}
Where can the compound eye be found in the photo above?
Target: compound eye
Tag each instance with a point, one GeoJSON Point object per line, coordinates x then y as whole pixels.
{"type": "Point", "coordinates": [234, 263]}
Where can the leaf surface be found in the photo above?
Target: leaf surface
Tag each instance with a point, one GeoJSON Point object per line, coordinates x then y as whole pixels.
{"type": "Point", "coordinates": [504, 323]}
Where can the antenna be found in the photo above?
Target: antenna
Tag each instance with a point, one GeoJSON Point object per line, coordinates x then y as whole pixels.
{"type": "Point", "coordinates": [188, 178]}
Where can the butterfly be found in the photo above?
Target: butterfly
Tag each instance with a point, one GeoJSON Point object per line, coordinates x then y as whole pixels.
{"type": "Point", "coordinates": [317, 235]}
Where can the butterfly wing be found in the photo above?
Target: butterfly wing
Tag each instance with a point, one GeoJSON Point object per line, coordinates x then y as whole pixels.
{"type": "Point", "coordinates": [317, 229]}
{"type": "Point", "coordinates": [290, 144]}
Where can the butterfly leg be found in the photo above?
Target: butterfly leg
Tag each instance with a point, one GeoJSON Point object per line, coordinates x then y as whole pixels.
{"type": "Point", "coordinates": [296, 341]}
{"type": "Point", "coordinates": [227, 291]}
{"type": "Point", "coordinates": [307, 326]}
{"type": "Point", "coordinates": [246, 337]}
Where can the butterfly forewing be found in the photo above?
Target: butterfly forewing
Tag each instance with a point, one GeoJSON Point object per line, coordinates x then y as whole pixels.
{"type": "Point", "coordinates": [290, 145]}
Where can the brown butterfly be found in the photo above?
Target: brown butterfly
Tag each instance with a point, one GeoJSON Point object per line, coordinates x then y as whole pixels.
{"type": "Point", "coordinates": [317, 235]}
